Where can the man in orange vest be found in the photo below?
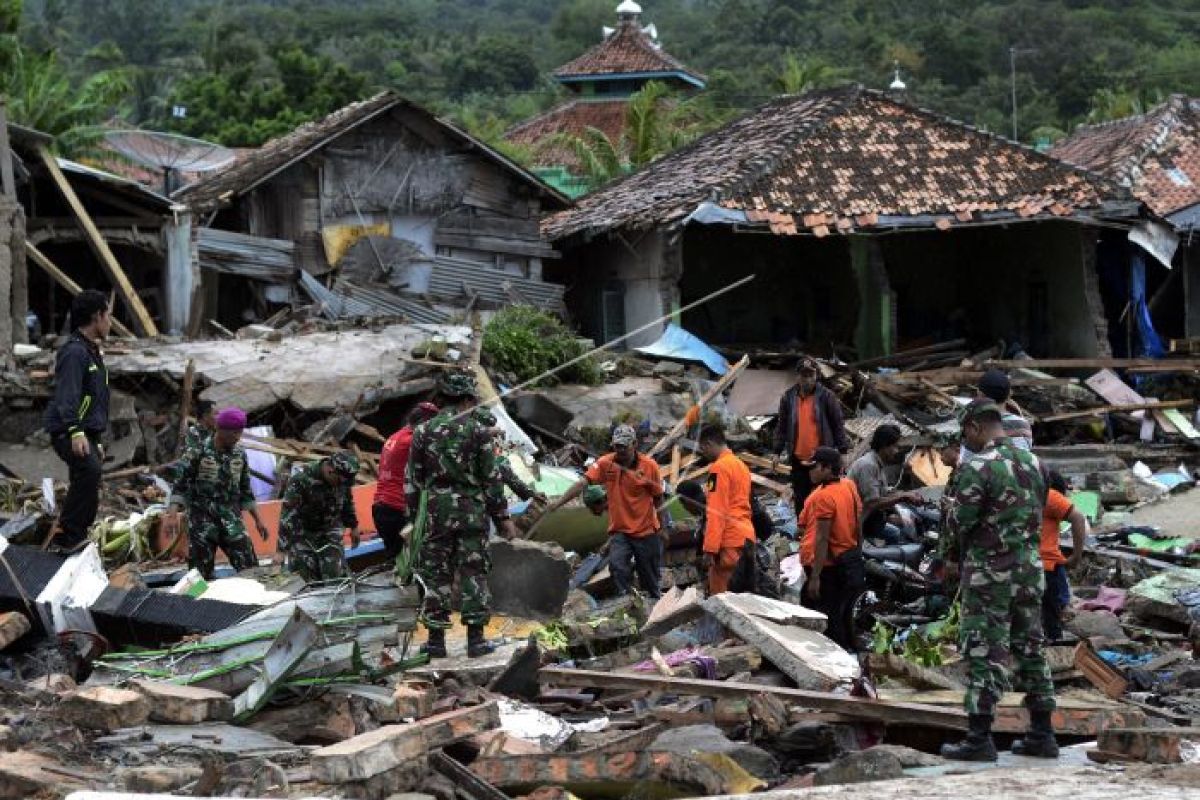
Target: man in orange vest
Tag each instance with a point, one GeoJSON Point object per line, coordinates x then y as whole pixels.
{"type": "Point", "coordinates": [810, 416]}
{"type": "Point", "coordinates": [728, 525]}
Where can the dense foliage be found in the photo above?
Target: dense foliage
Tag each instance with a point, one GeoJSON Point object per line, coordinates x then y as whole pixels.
{"type": "Point", "coordinates": [526, 343]}
{"type": "Point", "coordinates": [246, 70]}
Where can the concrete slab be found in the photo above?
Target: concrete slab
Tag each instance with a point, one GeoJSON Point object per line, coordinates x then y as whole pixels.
{"type": "Point", "coordinates": [528, 579]}
{"type": "Point", "coordinates": [186, 705]}
{"type": "Point", "coordinates": [104, 708]}
{"type": "Point", "coordinates": [785, 635]}
{"type": "Point", "coordinates": [31, 464]}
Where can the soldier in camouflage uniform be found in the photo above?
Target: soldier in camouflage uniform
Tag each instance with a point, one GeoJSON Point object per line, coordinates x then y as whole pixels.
{"type": "Point", "coordinates": [508, 475]}
{"type": "Point", "coordinates": [453, 461]}
{"type": "Point", "coordinates": [213, 487]}
{"type": "Point", "coordinates": [317, 508]}
{"type": "Point", "coordinates": [197, 433]}
{"type": "Point", "coordinates": [996, 514]}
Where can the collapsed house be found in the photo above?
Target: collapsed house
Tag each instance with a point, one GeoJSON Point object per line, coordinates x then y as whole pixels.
{"type": "Point", "coordinates": [1157, 156]}
{"type": "Point", "coordinates": [868, 224]}
{"type": "Point", "coordinates": [386, 194]}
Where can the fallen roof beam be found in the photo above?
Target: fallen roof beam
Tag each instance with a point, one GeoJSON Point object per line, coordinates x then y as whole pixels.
{"type": "Point", "coordinates": [64, 280]}
{"type": "Point", "coordinates": [885, 711]}
{"type": "Point", "coordinates": [142, 319]}
{"type": "Point", "coordinates": [1100, 410]}
{"type": "Point", "coordinates": [1095, 363]}
{"type": "Point", "coordinates": [714, 390]}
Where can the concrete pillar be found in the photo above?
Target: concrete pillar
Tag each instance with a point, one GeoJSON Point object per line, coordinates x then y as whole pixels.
{"type": "Point", "coordinates": [182, 273]}
{"type": "Point", "coordinates": [640, 267]}
{"type": "Point", "coordinates": [14, 286]}
{"type": "Point", "coordinates": [873, 337]}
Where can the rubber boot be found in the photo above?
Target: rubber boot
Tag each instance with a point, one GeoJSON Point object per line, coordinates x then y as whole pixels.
{"type": "Point", "coordinates": [436, 646]}
{"type": "Point", "coordinates": [978, 745]}
{"type": "Point", "coordinates": [1039, 742]}
{"type": "Point", "coordinates": [477, 644]}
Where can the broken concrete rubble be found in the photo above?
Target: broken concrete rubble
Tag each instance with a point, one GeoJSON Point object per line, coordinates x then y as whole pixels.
{"type": "Point", "coordinates": [184, 705]}
{"type": "Point", "coordinates": [104, 708]}
{"type": "Point", "coordinates": [528, 579]}
{"type": "Point", "coordinates": [788, 637]}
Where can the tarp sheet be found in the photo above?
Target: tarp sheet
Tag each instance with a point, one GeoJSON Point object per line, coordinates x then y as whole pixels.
{"type": "Point", "coordinates": [680, 345]}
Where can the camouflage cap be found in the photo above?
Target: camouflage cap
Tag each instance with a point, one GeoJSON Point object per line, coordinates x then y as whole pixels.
{"type": "Point", "coordinates": [624, 435]}
{"type": "Point", "coordinates": [976, 409]}
{"type": "Point", "coordinates": [457, 384]}
{"type": "Point", "coordinates": [344, 464]}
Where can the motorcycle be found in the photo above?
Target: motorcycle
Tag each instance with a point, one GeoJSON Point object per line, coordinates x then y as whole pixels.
{"type": "Point", "coordinates": [905, 583]}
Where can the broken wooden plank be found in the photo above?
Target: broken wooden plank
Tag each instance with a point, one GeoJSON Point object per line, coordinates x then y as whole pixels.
{"type": "Point", "coordinates": [1100, 410]}
{"type": "Point", "coordinates": [185, 403]}
{"type": "Point", "coordinates": [143, 322]}
{"type": "Point", "coordinates": [1098, 672]}
{"type": "Point", "coordinates": [64, 280]}
{"type": "Point", "coordinates": [885, 711]}
{"type": "Point", "coordinates": [714, 390]}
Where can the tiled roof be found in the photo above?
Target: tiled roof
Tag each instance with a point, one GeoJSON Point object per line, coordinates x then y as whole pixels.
{"type": "Point", "coordinates": [626, 50]}
{"type": "Point", "coordinates": [573, 117]}
{"type": "Point", "coordinates": [840, 160]}
{"type": "Point", "coordinates": [1156, 154]}
{"type": "Point", "coordinates": [262, 164]}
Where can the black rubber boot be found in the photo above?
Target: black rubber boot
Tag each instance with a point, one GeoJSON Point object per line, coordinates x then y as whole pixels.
{"type": "Point", "coordinates": [477, 645]}
{"type": "Point", "coordinates": [1039, 742]}
{"type": "Point", "coordinates": [436, 646]}
{"type": "Point", "coordinates": [978, 745]}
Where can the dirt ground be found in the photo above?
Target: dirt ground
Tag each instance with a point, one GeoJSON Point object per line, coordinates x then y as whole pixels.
{"type": "Point", "coordinates": [1177, 516]}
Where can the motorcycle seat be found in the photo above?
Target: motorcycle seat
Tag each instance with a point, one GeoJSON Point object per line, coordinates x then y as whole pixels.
{"type": "Point", "coordinates": [909, 554]}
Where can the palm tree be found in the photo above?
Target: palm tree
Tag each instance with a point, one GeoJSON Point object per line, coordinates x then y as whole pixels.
{"type": "Point", "coordinates": [656, 123]}
{"type": "Point", "coordinates": [42, 95]}
{"type": "Point", "coordinates": [1110, 104]}
{"type": "Point", "coordinates": [797, 75]}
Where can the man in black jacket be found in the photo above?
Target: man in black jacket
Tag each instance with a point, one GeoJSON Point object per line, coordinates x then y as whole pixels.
{"type": "Point", "coordinates": [810, 416]}
{"type": "Point", "coordinates": [78, 415]}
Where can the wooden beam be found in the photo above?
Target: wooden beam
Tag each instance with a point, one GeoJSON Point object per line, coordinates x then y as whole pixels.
{"type": "Point", "coordinates": [141, 317]}
{"type": "Point", "coordinates": [64, 280]}
{"type": "Point", "coordinates": [886, 711]}
{"type": "Point", "coordinates": [1094, 412]}
{"type": "Point", "coordinates": [714, 390]}
{"type": "Point", "coordinates": [1095, 363]}
{"type": "Point", "coordinates": [185, 404]}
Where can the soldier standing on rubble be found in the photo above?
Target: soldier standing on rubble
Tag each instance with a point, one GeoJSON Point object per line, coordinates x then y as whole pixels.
{"type": "Point", "coordinates": [996, 516]}
{"type": "Point", "coordinates": [317, 508]}
{"type": "Point", "coordinates": [810, 416]}
{"type": "Point", "coordinates": [214, 489]}
{"type": "Point", "coordinates": [390, 510]}
{"type": "Point", "coordinates": [78, 415]}
{"type": "Point", "coordinates": [453, 460]}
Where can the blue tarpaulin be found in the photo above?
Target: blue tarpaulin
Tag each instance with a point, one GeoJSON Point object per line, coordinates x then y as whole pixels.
{"type": "Point", "coordinates": [680, 345]}
{"type": "Point", "coordinates": [1151, 344]}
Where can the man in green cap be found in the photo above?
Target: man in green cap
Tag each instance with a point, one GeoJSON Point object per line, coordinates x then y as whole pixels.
{"type": "Point", "coordinates": [317, 508]}
{"type": "Point", "coordinates": [453, 461]}
{"type": "Point", "coordinates": [995, 515]}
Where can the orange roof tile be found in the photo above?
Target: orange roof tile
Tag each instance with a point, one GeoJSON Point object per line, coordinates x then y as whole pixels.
{"type": "Point", "coordinates": [573, 118]}
{"type": "Point", "coordinates": [1156, 154]}
{"type": "Point", "coordinates": [842, 153]}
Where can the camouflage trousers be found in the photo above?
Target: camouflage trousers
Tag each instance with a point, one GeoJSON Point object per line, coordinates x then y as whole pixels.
{"type": "Point", "coordinates": [317, 557]}
{"type": "Point", "coordinates": [1002, 622]}
{"type": "Point", "coordinates": [444, 554]}
{"type": "Point", "coordinates": [208, 532]}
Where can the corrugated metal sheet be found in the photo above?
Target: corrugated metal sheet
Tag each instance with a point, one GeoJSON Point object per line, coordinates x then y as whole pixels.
{"type": "Point", "coordinates": [451, 277]}
{"type": "Point", "coordinates": [256, 257]}
{"type": "Point", "coordinates": [348, 300]}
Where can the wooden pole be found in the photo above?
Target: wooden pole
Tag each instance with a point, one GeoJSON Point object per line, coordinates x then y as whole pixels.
{"type": "Point", "coordinates": [714, 390]}
{"type": "Point", "coordinates": [64, 280]}
{"type": "Point", "coordinates": [141, 317]}
{"type": "Point", "coordinates": [1095, 412]}
{"type": "Point", "coordinates": [185, 404]}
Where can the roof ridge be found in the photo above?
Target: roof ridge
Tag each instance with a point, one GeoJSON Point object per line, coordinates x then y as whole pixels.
{"type": "Point", "coordinates": [635, 35]}
{"type": "Point", "coordinates": [569, 102]}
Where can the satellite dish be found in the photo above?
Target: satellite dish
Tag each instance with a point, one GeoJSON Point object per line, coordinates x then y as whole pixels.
{"type": "Point", "coordinates": [169, 152]}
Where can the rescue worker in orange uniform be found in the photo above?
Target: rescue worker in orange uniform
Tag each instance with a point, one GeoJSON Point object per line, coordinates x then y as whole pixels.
{"type": "Point", "coordinates": [728, 523]}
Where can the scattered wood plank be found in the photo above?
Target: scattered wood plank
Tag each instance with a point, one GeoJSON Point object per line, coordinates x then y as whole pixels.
{"type": "Point", "coordinates": [64, 280]}
{"type": "Point", "coordinates": [1100, 410]}
{"type": "Point", "coordinates": [143, 322]}
{"type": "Point", "coordinates": [1110, 682]}
{"type": "Point", "coordinates": [885, 711]}
{"type": "Point", "coordinates": [1096, 363]}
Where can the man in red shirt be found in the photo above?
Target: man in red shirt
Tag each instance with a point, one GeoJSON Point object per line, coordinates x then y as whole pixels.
{"type": "Point", "coordinates": [1058, 592]}
{"type": "Point", "coordinates": [636, 524]}
{"type": "Point", "coordinates": [830, 548]}
{"type": "Point", "coordinates": [390, 509]}
{"type": "Point", "coordinates": [727, 519]}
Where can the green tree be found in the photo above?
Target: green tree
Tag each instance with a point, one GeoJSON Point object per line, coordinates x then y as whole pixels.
{"type": "Point", "coordinates": [797, 75]}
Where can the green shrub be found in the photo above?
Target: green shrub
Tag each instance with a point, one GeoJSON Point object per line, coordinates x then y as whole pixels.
{"type": "Point", "coordinates": [527, 342]}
